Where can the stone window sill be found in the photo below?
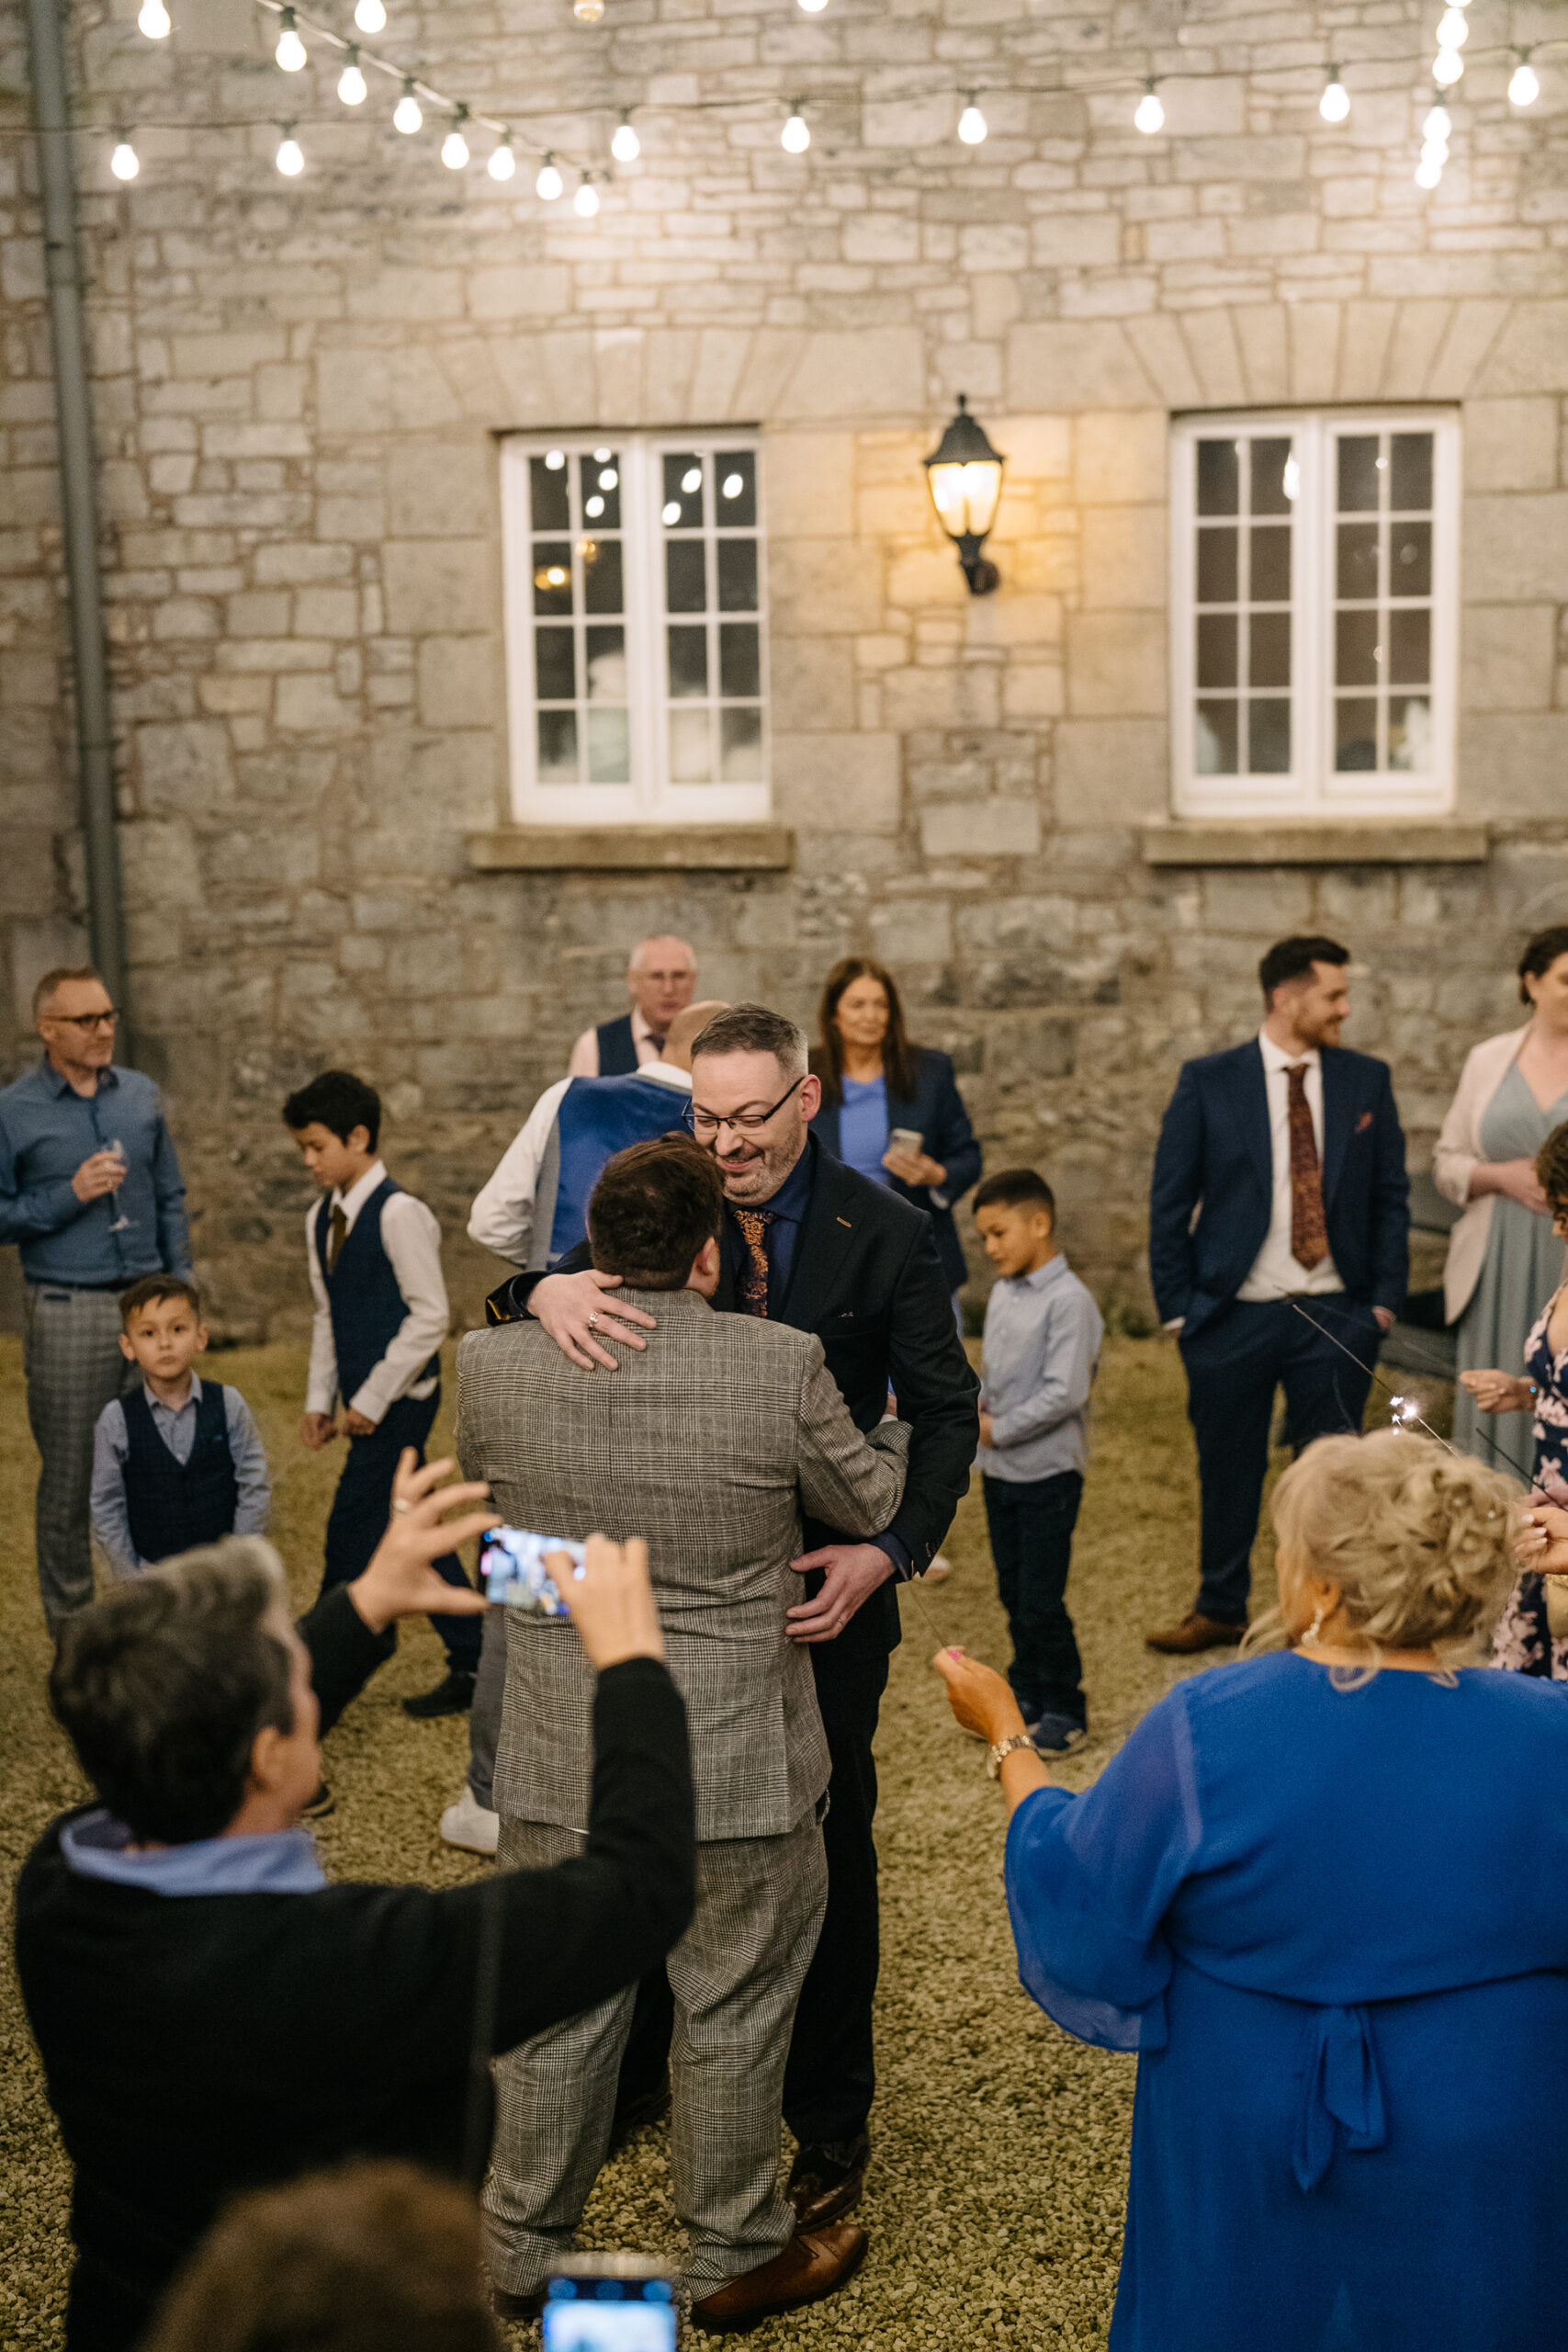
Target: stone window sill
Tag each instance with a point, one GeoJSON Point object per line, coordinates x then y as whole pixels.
{"type": "Point", "coordinates": [640, 848]}
{"type": "Point", "coordinates": [1394, 842]}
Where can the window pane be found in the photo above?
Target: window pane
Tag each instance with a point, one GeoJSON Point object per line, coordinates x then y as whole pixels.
{"type": "Point", "coordinates": [688, 664]}
{"type": "Point", "coordinates": [1217, 566]}
{"type": "Point", "coordinates": [1356, 645]}
{"type": "Point", "coordinates": [739, 659]}
{"type": "Point", "coordinates": [1410, 644]}
{"type": "Point", "coordinates": [1270, 581]}
{"type": "Point", "coordinates": [552, 576]}
{"type": "Point", "coordinates": [1219, 483]}
{"type": "Point", "coordinates": [557, 747]}
{"type": "Point", "coordinates": [735, 480]}
{"type": "Point", "coordinates": [546, 495]}
{"type": "Point", "coordinates": [1355, 571]}
{"type": "Point", "coordinates": [609, 748]}
{"type": "Point", "coordinates": [685, 576]}
{"type": "Point", "coordinates": [1410, 559]}
{"type": "Point", "coordinates": [1269, 477]}
{"type": "Point", "coordinates": [1410, 734]}
{"type": "Point", "coordinates": [1269, 650]}
{"type": "Point", "coordinates": [599, 485]}
{"type": "Point", "coordinates": [691, 747]}
{"type": "Point", "coordinates": [1268, 732]}
{"type": "Point", "coordinates": [738, 575]}
{"type": "Point", "coordinates": [605, 652]}
{"type": "Point", "coordinates": [1410, 479]}
{"type": "Point", "coordinates": [1215, 748]}
{"type": "Point", "coordinates": [555, 664]}
{"type": "Point", "coordinates": [1355, 736]}
{"type": "Point", "coordinates": [683, 491]}
{"type": "Point", "coordinates": [740, 746]}
{"type": "Point", "coordinates": [1359, 473]}
{"type": "Point", "coordinates": [601, 588]}
{"type": "Point", "coordinates": [1216, 649]}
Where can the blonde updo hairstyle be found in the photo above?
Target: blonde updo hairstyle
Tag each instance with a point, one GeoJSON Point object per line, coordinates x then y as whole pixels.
{"type": "Point", "coordinates": [1417, 1539]}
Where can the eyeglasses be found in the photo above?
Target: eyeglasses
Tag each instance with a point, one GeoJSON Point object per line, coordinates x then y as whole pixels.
{"type": "Point", "coordinates": [84, 1020]}
{"type": "Point", "coordinates": [746, 1123]}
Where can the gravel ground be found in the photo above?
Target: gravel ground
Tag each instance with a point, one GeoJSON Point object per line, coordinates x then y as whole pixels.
{"type": "Point", "coordinates": [995, 2197]}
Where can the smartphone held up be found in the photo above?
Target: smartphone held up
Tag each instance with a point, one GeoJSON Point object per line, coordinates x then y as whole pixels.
{"type": "Point", "coordinates": [515, 1575]}
{"type": "Point", "coordinates": [610, 2303]}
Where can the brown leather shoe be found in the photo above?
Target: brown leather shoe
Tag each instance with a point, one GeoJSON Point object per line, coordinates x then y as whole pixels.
{"type": "Point", "coordinates": [827, 2179]}
{"type": "Point", "coordinates": [1195, 1633]}
{"type": "Point", "coordinates": [812, 2265]}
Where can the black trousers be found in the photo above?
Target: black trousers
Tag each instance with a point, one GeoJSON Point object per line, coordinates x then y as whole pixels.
{"type": "Point", "coordinates": [1030, 1524]}
{"type": "Point", "coordinates": [1234, 1365]}
{"type": "Point", "coordinates": [362, 1505]}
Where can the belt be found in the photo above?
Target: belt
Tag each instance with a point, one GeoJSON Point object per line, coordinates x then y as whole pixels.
{"type": "Point", "coordinates": [54, 1282]}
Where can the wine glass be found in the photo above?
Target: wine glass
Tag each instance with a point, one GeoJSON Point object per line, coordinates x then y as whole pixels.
{"type": "Point", "coordinates": [116, 1149]}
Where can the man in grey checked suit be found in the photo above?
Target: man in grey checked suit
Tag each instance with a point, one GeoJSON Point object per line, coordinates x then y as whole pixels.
{"type": "Point", "coordinates": [711, 1446]}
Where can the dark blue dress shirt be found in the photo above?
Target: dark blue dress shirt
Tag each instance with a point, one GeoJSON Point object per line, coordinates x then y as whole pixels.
{"type": "Point", "coordinates": [47, 1130]}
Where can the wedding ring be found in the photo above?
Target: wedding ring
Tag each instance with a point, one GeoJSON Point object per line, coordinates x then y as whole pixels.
{"type": "Point", "coordinates": [594, 1322]}
{"type": "Point", "coordinates": [401, 1510]}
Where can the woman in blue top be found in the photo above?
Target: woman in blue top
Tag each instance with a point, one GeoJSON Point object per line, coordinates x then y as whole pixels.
{"type": "Point", "coordinates": [1324, 1895]}
{"type": "Point", "coordinates": [875, 1081]}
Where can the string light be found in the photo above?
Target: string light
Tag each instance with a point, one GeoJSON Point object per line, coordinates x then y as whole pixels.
{"type": "Point", "coordinates": [796, 136]}
{"type": "Point", "coordinates": [585, 203]}
{"type": "Point", "coordinates": [125, 163]}
{"type": "Point", "coordinates": [1150, 115]}
{"type": "Point", "coordinates": [1453, 30]}
{"type": "Point", "coordinates": [154, 20]}
{"type": "Point", "coordinates": [1334, 103]}
{"type": "Point", "coordinates": [291, 49]}
{"type": "Point", "coordinates": [550, 184]}
{"type": "Point", "coordinates": [455, 147]}
{"type": "Point", "coordinates": [626, 146]}
{"type": "Point", "coordinates": [370, 17]}
{"type": "Point", "coordinates": [290, 160]}
{"type": "Point", "coordinates": [814, 7]}
{"type": "Point", "coordinates": [502, 162]}
{"type": "Point", "coordinates": [407, 115]}
{"type": "Point", "coordinates": [1447, 67]}
{"type": "Point", "coordinates": [588, 12]}
{"type": "Point", "coordinates": [351, 83]}
{"type": "Point", "coordinates": [1525, 86]}
{"type": "Point", "coordinates": [972, 123]}
{"type": "Point", "coordinates": [1435, 127]}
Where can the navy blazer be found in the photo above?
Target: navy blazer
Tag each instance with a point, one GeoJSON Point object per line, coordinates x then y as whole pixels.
{"type": "Point", "coordinates": [936, 1109]}
{"type": "Point", "coordinates": [1213, 1183]}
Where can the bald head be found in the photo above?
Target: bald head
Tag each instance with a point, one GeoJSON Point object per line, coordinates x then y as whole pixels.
{"type": "Point", "coordinates": [687, 1027]}
{"type": "Point", "coordinates": [660, 980]}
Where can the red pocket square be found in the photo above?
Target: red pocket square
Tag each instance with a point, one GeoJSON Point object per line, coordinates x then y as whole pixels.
{"type": "Point", "coordinates": [1363, 1123]}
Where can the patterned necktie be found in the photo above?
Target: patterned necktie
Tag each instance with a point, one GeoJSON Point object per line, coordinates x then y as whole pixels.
{"type": "Point", "coordinates": [1309, 1234]}
{"type": "Point", "coordinates": [657, 1043]}
{"type": "Point", "coordinates": [337, 1233]}
{"type": "Point", "coordinates": [754, 1224]}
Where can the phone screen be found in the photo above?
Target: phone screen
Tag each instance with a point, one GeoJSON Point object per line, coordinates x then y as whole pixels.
{"type": "Point", "coordinates": [513, 1570]}
{"type": "Point", "coordinates": [609, 2315]}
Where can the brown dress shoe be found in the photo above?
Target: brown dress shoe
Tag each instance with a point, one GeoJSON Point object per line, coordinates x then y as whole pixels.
{"type": "Point", "coordinates": [812, 2265]}
{"type": "Point", "coordinates": [1195, 1633]}
{"type": "Point", "coordinates": [826, 2179]}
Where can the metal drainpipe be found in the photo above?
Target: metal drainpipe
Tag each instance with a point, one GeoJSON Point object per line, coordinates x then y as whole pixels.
{"type": "Point", "coordinates": [78, 493]}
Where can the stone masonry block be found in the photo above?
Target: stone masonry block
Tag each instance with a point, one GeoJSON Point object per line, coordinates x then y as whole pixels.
{"type": "Point", "coordinates": [820, 586]}
{"type": "Point", "coordinates": [1509, 657]}
{"type": "Point", "coordinates": [1110, 771]}
{"type": "Point", "coordinates": [1516, 550]}
{"type": "Point", "coordinates": [838, 782]}
{"type": "Point", "coordinates": [185, 766]}
{"type": "Point", "coordinates": [1126, 563]}
{"type": "Point", "coordinates": [438, 489]}
{"type": "Point", "coordinates": [1075, 365]}
{"type": "Point", "coordinates": [1120, 458]}
{"type": "Point", "coordinates": [1115, 663]}
{"type": "Point", "coordinates": [812, 683]}
{"type": "Point", "coordinates": [436, 585]}
{"type": "Point", "coordinates": [1511, 445]}
{"type": "Point", "coordinates": [457, 681]}
{"type": "Point", "coordinates": [980, 827]}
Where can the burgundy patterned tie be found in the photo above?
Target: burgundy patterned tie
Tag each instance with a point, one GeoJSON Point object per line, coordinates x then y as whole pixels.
{"type": "Point", "coordinates": [1309, 1232]}
{"type": "Point", "coordinates": [754, 1224]}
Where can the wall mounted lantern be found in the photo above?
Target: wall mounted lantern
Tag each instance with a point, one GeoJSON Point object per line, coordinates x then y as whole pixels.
{"type": "Point", "coordinates": [964, 475]}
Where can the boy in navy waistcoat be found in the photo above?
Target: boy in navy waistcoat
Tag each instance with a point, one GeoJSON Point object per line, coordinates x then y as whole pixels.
{"type": "Point", "coordinates": [176, 1461]}
{"type": "Point", "coordinates": [374, 1254]}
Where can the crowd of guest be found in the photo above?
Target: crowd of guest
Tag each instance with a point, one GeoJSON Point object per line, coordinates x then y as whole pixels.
{"type": "Point", "coordinates": [724, 1377]}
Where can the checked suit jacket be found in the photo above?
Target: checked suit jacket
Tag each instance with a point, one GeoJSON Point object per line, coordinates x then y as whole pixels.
{"type": "Point", "coordinates": [713, 1446]}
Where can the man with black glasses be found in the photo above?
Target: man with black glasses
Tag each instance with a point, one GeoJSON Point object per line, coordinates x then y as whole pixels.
{"type": "Point", "coordinates": [811, 1243]}
{"type": "Point", "coordinates": [91, 1190]}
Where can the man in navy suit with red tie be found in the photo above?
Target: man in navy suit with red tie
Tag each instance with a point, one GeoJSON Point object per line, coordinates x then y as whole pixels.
{"type": "Point", "coordinates": [1278, 1249]}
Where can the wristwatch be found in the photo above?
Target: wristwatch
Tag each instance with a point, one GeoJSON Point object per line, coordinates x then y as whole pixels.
{"type": "Point", "coordinates": [1005, 1748]}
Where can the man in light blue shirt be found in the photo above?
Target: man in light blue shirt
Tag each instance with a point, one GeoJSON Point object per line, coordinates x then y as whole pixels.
{"type": "Point", "coordinates": [91, 1190]}
{"type": "Point", "coordinates": [1042, 1338]}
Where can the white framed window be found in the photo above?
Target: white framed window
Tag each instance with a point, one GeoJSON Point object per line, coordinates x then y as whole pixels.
{"type": "Point", "coordinates": [637, 655]}
{"type": "Point", "coordinates": [1314, 611]}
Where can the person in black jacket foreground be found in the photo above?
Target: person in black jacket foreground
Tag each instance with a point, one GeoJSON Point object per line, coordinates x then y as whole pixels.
{"type": "Point", "coordinates": [211, 2015]}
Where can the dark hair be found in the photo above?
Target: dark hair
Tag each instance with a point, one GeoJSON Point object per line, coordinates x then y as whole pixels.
{"type": "Point", "coordinates": [372, 2255]}
{"type": "Point", "coordinates": [752, 1029]}
{"type": "Point", "coordinates": [1552, 1164]}
{"type": "Point", "coordinates": [1292, 959]}
{"type": "Point", "coordinates": [150, 1288]}
{"type": "Point", "coordinates": [1540, 955]}
{"type": "Point", "coordinates": [1015, 1188]}
{"type": "Point", "coordinates": [653, 1209]}
{"type": "Point", "coordinates": [57, 979]}
{"type": "Point", "coordinates": [828, 1055]}
{"type": "Point", "coordinates": [163, 1684]}
{"type": "Point", "coordinates": [340, 1102]}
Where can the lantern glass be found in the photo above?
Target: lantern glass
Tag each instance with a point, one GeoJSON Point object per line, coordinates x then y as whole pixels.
{"type": "Point", "coordinates": [965, 496]}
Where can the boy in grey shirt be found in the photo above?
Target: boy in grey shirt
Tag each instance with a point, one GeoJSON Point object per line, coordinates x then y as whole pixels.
{"type": "Point", "coordinates": [1042, 1338]}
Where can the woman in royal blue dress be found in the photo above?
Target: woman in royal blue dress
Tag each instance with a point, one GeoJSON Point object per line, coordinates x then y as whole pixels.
{"type": "Point", "coordinates": [1324, 1895]}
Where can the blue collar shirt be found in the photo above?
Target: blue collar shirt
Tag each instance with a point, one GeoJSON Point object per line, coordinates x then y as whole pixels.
{"type": "Point", "coordinates": [47, 1130]}
{"type": "Point", "coordinates": [278, 1862]}
{"type": "Point", "coordinates": [1042, 1338]}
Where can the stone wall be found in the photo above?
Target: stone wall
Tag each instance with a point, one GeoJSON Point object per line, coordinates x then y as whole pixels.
{"type": "Point", "coordinates": [300, 389]}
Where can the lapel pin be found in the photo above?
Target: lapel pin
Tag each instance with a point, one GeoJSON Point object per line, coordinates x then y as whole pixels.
{"type": "Point", "coordinates": [844, 1221]}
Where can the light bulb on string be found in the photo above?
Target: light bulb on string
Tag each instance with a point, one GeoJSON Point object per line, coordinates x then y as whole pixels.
{"type": "Point", "coordinates": [814, 7]}
{"type": "Point", "coordinates": [588, 12]}
{"type": "Point", "coordinates": [290, 50]}
{"type": "Point", "coordinates": [1436, 124]}
{"type": "Point", "coordinates": [154, 20]}
{"type": "Point", "coordinates": [1334, 103]}
{"type": "Point", "coordinates": [550, 184]}
{"type": "Point", "coordinates": [125, 163]}
{"type": "Point", "coordinates": [1453, 30]}
{"type": "Point", "coordinates": [455, 147]}
{"type": "Point", "coordinates": [370, 17]}
{"type": "Point", "coordinates": [351, 85]}
{"type": "Point", "coordinates": [1428, 170]}
{"type": "Point", "coordinates": [626, 146]}
{"type": "Point", "coordinates": [1524, 88]}
{"type": "Point", "coordinates": [585, 203]}
{"type": "Point", "coordinates": [796, 136]}
{"type": "Point", "coordinates": [408, 114]}
{"type": "Point", "coordinates": [290, 160]}
{"type": "Point", "coordinates": [1150, 115]}
{"type": "Point", "coordinates": [1447, 67]}
{"type": "Point", "coordinates": [972, 123]}
{"type": "Point", "coordinates": [502, 162]}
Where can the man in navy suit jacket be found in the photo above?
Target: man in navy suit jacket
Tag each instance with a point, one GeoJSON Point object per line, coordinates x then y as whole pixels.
{"type": "Point", "coordinates": [1279, 1249]}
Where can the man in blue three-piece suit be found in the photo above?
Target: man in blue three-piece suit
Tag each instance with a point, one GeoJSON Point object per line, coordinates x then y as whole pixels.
{"type": "Point", "coordinates": [1278, 1249]}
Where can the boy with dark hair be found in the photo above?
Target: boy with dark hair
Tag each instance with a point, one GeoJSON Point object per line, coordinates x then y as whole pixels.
{"type": "Point", "coordinates": [374, 1255]}
{"type": "Point", "coordinates": [1042, 1347]}
{"type": "Point", "coordinates": [176, 1461]}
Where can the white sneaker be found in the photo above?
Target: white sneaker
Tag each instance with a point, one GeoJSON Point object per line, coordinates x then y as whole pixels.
{"type": "Point", "coordinates": [471, 1825]}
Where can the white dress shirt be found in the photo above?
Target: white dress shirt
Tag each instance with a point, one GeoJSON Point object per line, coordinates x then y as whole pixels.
{"type": "Point", "coordinates": [412, 1239]}
{"type": "Point", "coordinates": [584, 1062]}
{"type": "Point", "coordinates": [1275, 1272]}
{"type": "Point", "coordinates": [502, 1215]}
